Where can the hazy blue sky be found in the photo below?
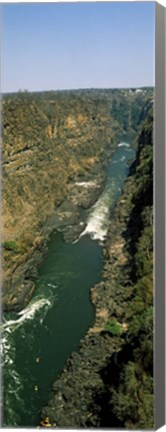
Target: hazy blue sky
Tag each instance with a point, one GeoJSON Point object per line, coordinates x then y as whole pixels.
{"type": "Point", "coordinates": [77, 45]}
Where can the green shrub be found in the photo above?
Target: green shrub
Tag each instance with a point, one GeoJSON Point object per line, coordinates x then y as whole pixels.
{"type": "Point", "coordinates": [113, 327]}
{"type": "Point", "coordinates": [11, 246]}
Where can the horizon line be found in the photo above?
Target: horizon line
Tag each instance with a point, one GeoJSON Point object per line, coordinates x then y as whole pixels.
{"type": "Point", "coordinates": [77, 89]}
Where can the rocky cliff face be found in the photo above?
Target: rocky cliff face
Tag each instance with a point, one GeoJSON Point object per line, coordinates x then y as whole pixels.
{"type": "Point", "coordinates": [48, 146]}
{"type": "Point", "coordinates": [51, 141]}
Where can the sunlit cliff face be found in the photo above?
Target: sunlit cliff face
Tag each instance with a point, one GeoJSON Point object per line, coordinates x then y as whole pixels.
{"type": "Point", "coordinates": [40, 154]}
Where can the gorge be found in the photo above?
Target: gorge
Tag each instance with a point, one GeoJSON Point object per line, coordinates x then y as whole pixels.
{"type": "Point", "coordinates": [65, 161]}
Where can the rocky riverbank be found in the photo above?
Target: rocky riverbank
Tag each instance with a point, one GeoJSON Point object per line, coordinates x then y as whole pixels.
{"type": "Point", "coordinates": [19, 284]}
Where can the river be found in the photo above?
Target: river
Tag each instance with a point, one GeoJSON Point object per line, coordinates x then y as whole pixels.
{"type": "Point", "coordinates": [37, 341]}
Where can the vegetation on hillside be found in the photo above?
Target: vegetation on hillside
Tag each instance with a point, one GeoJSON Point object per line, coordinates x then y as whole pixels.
{"type": "Point", "coordinates": [127, 397]}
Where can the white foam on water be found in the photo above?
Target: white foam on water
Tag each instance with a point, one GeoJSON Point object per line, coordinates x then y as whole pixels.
{"type": "Point", "coordinates": [7, 328]}
{"type": "Point", "coordinates": [13, 398]}
{"type": "Point", "coordinates": [123, 144]}
{"type": "Point", "coordinates": [122, 159]}
{"type": "Point", "coordinates": [98, 221]}
{"type": "Point", "coordinates": [16, 378]}
{"type": "Point", "coordinates": [96, 227]}
{"type": "Point", "coordinates": [26, 314]}
{"type": "Point", "coordinates": [12, 389]}
{"type": "Point", "coordinates": [8, 353]}
{"type": "Point", "coordinates": [52, 285]}
{"type": "Point", "coordinates": [86, 184]}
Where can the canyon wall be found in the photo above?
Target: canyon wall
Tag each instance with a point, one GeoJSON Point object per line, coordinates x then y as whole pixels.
{"type": "Point", "coordinates": [51, 141]}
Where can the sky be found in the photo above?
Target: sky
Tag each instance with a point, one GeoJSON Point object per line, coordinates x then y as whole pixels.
{"type": "Point", "coordinates": [54, 46]}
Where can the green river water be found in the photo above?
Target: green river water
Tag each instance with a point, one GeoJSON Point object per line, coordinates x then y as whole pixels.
{"type": "Point", "coordinates": [37, 341]}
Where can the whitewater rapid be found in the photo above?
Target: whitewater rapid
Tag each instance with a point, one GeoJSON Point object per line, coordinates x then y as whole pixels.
{"type": "Point", "coordinates": [99, 217]}
{"type": "Point", "coordinates": [98, 220]}
{"type": "Point", "coordinates": [11, 325]}
{"type": "Point", "coordinates": [123, 144]}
